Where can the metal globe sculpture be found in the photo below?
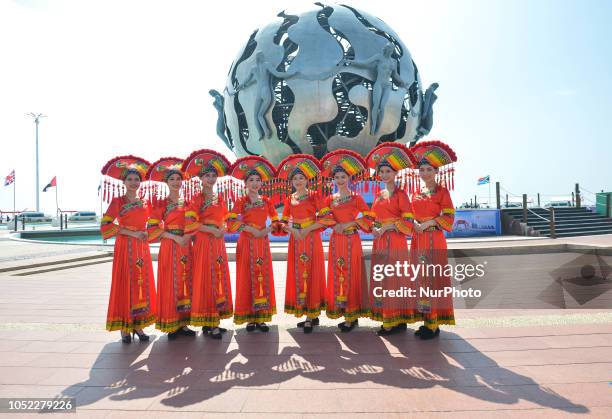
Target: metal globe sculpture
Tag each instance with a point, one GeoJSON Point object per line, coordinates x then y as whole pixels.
{"type": "Point", "coordinates": [329, 78]}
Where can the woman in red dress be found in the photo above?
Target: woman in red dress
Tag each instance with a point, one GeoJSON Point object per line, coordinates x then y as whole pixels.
{"type": "Point", "coordinates": [393, 222]}
{"type": "Point", "coordinates": [255, 300]}
{"type": "Point", "coordinates": [305, 286]}
{"type": "Point", "coordinates": [131, 305]}
{"type": "Point", "coordinates": [347, 288]}
{"type": "Point", "coordinates": [206, 215]}
{"type": "Point", "coordinates": [167, 224]}
{"type": "Point", "coordinates": [433, 214]}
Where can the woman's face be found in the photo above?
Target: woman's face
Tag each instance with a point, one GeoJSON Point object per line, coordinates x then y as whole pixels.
{"type": "Point", "coordinates": [132, 182]}
{"type": "Point", "coordinates": [386, 174]}
{"type": "Point", "coordinates": [209, 179]}
{"type": "Point", "coordinates": [253, 183]}
{"type": "Point", "coordinates": [341, 179]}
{"type": "Point", "coordinates": [174, 182]}
{"type": "Point", "coordinates": [299, 181]}
{"type": "Point", "coordinates": [427, 172]}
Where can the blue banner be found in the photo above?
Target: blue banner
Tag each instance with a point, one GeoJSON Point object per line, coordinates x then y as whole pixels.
{"type": "Point", "coordinates": [476, 223]}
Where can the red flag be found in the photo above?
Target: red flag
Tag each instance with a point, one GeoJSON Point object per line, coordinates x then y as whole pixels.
{"type": "Point", "coordinates": [9, 179]}
{"type": "Point", "coordinates": [51, 184]}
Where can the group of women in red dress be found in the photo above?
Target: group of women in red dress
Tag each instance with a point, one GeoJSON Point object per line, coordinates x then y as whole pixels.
{"type": "Point", "coordinates": [189, 205]}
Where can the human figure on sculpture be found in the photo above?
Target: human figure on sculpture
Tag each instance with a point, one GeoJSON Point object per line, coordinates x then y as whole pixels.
{"type": "Point", "coordinates": [218, 104]}
{"type": "Point", "coordinates": [260, 74]}
{"type": "Point", "coordinates": [385, 70]}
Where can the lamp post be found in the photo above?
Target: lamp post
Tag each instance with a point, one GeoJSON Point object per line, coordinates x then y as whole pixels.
{"type": "Point", "coordinates": [37, 121]}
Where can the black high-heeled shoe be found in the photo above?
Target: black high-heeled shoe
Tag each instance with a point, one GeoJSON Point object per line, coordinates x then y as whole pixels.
{"type": "Point", "coordinates": [185, 331]}
{"type": "Point", "coordinates": [386, 332]}
{"type": "Point", "coordinates": [263, 327]}
{"type": "Point", "coordinates": [216, 335]}
{"type": "Point", "coordinates": [345, 328]}
{"type": "Point", "coordinates": [308, 326]}
{"type": "Point", "coordinates": [429, 334]}
{"type": "Point", "coordinates": [251, 326]}
{"type": "Point", "coordinates": [141, 336]}
{"type": "Point", "coordinates": [314, 322]}
{"type": "Point", "coordinates": [126, 338]}
{"type": "Point", "coordinates": [343, 324]}
{"type": "Point", "coordinates": [419, 331]}
{"type": "Point", "coordinates": [173, 335]}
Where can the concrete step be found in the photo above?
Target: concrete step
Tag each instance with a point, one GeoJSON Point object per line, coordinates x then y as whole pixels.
{"type": "Point", "coordinates": [19, 265]}
{"type": "Point", "coordinates": [62, 266]}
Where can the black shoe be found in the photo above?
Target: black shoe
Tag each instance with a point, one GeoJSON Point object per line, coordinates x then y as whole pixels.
{"type": "Point", "coordinates": [173, 335]}
{"type": "Point", "coordinates": [263, 327]}
{"type": "Point", "coordinates": [420, 330]}
{"type": "Point", "coordinates": [386, 332]}
{"type": "Point", "coordinates": [314, 322]}
{"type": "Point", "coordinates": [308, 326]}
{"type": "Point", "coordinates": [216, 335]}
{"type": "Point", "coordinates": [400, 327]}
{"type": "Point", "coordinates": [141, 336]}
{"type": "Point", "coordinates": [429, 334]}
{"type": "Point", "coordinates": [345, 328]}
{"type": "Point", "coordinates": [126, 338]}
{"type": "Point", "coordinates": [251, 326]}
{"type": "Point", "coordinates": [208, 329]}
{"type": "Point", "coordinates": [185, 331]}
{"type": "Point", "coordinates": [343, 324]}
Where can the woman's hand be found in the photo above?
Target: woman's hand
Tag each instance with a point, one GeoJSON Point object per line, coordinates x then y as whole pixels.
{"type": "Point", "coordinates": [339, 228]}
{"type": "Point", "coordinates": [252, 230]}
{"type": "Point", "coordinates": [264, 232]}
{"type": "Point", "coordinates": [182, 240]}
{"type": "Point", "coordinates": [140, 235]}
{"type": "Point", "coordinates": [418, 227]}
{"type": "Point", "coordinates": [377, 232]}
{"type": "Point", "coordinates": [219, 231]}
{"type": "Point", "coordinates": [428, 223]}
{"type": "Point", "coordinates": [298, 234]}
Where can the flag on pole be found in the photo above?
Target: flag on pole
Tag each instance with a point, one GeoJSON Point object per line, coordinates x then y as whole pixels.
{"type": "Point", "coordinates": [9, 179]}
{"type": "Point", "coordinates": [484, 180]}
{"type": "Point", "coordinates": [51, 184]}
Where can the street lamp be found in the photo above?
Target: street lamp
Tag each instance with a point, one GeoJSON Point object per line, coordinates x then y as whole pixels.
{"type": "Point", "coordinates": [36, 121]}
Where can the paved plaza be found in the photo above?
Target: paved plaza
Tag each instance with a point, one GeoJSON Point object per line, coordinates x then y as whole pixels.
{"type": "Point", "coordinates": [516, 362]}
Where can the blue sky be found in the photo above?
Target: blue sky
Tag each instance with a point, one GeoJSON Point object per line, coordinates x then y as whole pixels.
{"type": "Point", "coordinates": [524, 86]}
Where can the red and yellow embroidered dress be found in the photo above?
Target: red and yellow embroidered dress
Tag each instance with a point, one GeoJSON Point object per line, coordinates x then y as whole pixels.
{"type": "Point", "coordinates": [430, 247]}
{"type": "Point", "coordinates": [132, 302]}
{"type": "Point", "coordinates": [255, 300]}
{"type": "Point", "coordinates": [174, 264]}
{"type": "Point", "coordinates": [388, 249]}
{"type": "Point", "coordinates": [347, 288]}
{"type": "Point", "coordinates": [212, 291]}
{"type": "Point", "coordinates": [305, 286]}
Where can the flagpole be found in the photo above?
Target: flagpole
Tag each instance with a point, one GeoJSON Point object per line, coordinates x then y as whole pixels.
{"type": "Point", "coordinates": [14, 194]}
{"type": "Point", "coordinates": [56, 205]}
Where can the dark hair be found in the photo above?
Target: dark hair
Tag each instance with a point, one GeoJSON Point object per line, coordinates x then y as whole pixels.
{"type": "Point", "coordinates": [384, 163]}
{"type": "Point", "coordinates": [296, 172]}
{"type": "Point", "coordinates": [337, 168]}
{"type": "Point", "coordinates": [130, 171]}
{"type": "Point", "coordinates": [251, 173]}
{"type": "Point", "coordinates": [172, 172]}
{"type": "Point", "coordinates": [425, 162]}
